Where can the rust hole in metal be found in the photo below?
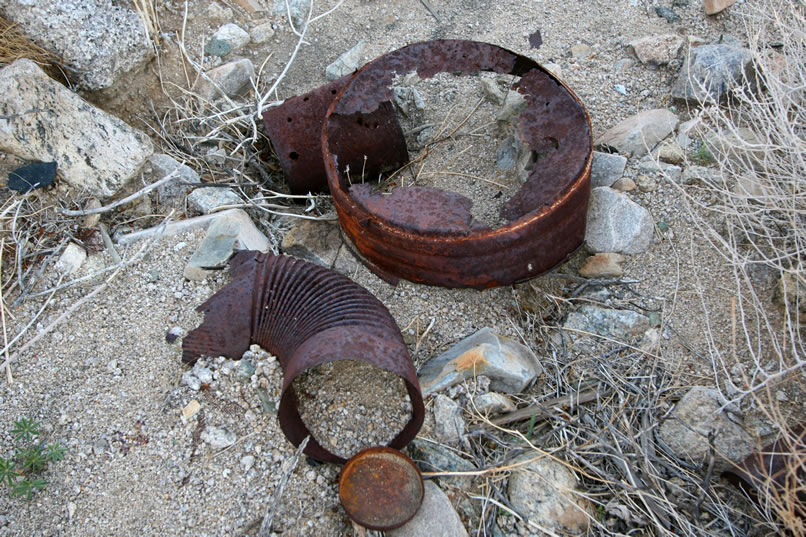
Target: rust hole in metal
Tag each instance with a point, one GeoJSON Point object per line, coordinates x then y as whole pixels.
{"type": "Point", "coordinates": [429, 235]}
{"type": "Point", "coordinates": [306, 315]}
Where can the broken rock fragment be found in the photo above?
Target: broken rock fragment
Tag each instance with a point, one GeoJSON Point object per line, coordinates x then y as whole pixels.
{"type": "Point", "coordinates": [97, 152]}
{"type": "Point", "coordinates": [510, 365]}
{"type": "Point", "coordinates": [637, 135]}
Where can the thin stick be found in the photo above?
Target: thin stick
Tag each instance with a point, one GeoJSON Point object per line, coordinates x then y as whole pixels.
{"type": "Point", "coordinates": [431, 10]}
{"type": "Point", "coordinates": [127, 199]}
{"type": "Point", "coordinates": [265, 526]}
{"type": "Point", "coordinates": [3, 311]}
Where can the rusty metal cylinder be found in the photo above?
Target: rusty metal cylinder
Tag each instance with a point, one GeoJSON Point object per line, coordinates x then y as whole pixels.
{"type": "Point", "coordinates": [306, 315]}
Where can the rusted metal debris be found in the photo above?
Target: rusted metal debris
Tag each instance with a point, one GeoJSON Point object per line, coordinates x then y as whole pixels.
{"type": "Point", "coordinates": [306, 315]}
{"type": "Point", "coordinates": [295, 130]}
{"type": "Point", "coordinates": [381, 488]}
{"type": "Point", "coordinates": [778, 471]}
{"type": "Point", "coordinates": [427, 235]}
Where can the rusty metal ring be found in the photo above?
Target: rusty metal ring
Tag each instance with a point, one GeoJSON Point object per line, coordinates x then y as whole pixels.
{"type": "Point", "coordinates": [427, 235]}
{"type": "Point", "coordinates": [306, 315]}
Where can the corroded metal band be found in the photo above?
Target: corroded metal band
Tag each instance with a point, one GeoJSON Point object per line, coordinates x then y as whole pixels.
{"type": "Point", "coordinates": [306, 315]}
{"type": "Point", "coordinates": [427, 235]}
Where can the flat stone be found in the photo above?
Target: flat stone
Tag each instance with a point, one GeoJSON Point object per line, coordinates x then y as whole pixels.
{"type": "Point", "coordinates": [433, 457]}
{"type": "Point", "coordinates": [190, 410]}
{"type": "Point", "coordinates": [435, 518]}
{"type": "Point", "coordinates": [509, 365]}
{"type": "Point", "coordinates": [741, 146]}
{"type": "Point", "coordinates": [514, 104]}
{"type": "Point", "coordinates": [217, 47]}
{"type": "Point", "coordinates": [711, 72]}
{"type": "Point", "coordinates": [695, 417]}
{"type": "Point", "coordinates": [71, 259]}
{"type": "Point", "coordinates": [712, 7]}
{"type": "Point", "coordinates": [230, 79]}
{"type": "Point", "coordinates": [650, 166]}
{"type": "Point", "coordinates": [602, 265]}
{"type": "Point", "coordinates": [207, 199]}
{"type": "Point", "coordinates": [318, 242]}
{"type": "Point", "coordinates": [545, 491]}
{"type": "Point", "coordinates": [580, 51]}
{"type": "Point", "coordinates": [229, 232]}
{"type": "Point", "coordinates": [218, 437]}
{"type": "Point", "coordinates": [232, 34]}
{"type": "Point", "coordinates": [98, 39]}
{"type": "Point", "coordinates": [637, 135]}
{"type": "Point", "coordinates": [449, 425]}
{"type": "Point", "coordinates": [32, 176]}
{"type": "Point", "coordinates": [163, 165]}
{"type": "Point", "coordinates": [606, 168]}
{"type": "Point", "coordinates": [345, 64]}
{"type": "Point", "coordinates": [97, 153]}
{"type": "Point", "coordinates": [657, 49]}
{"type": "Point", "coordinates": [620, 325]}
{"type": "Point", "coordinates": [668, 14]}
{"type": "Point", "coordinates": [697, 173]}
{"type": "Point", "coordinates": [616, 223]}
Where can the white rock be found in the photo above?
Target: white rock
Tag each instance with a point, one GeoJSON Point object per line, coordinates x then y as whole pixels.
{"type": "Point", "coordinates": [234, 35]}
{"type": "Point", "coordinates": [449, 424]}
{"type": "Point", "coordinates": [261, 33]}
{"type": "Point", "coordinates": [161, 166]}
{"type": "Point", "coordinates": [616, 223]}
{"type": "Point", "coordinates": [99, 39]}
{"type": "Point", "coordinates": [97, 153]}
{"type": "Point", "coordinates": [71, 259]}
{"type": "Point", "coordinates": [658, 49]}
{"type": "Point", "coordinates": [435, 518]}
{"type": "Point", "coordinates": [638, 134]}
{"type": "Point", "coordinates": [607, 168]}
{"type": "Point", "coordinates": [218, 437]}
{"type": "Point", "coordinates": [231, 79]}
{"type": "Point", "coordinates": [207, 199]}
{"type": "Point", "coordinates": [346, 63]}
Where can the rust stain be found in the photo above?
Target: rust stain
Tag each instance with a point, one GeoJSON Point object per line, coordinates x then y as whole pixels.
{"type": "Point", "coordinates": [471, 360]}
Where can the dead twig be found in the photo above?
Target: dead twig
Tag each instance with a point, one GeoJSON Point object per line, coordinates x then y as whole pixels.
{"type": "Point", "coordinates": [290, 465]}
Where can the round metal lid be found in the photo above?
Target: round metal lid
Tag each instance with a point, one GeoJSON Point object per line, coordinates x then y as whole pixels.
{"type": "Point", "coordinates": [381, 488]}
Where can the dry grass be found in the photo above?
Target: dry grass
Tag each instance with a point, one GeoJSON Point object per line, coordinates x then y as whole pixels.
{"type": "Point", "coordinates": [15, 45]}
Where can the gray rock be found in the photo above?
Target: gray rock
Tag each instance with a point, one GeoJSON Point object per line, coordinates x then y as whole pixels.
{"type": "Point", "coordinates": [232, 34]}
{"type": "Point", "coordinates": [509, 365]}
{"type": "Point", "coordinates": [163, 165]}
{"type": "Point", "coordinates": [262, 33]}
{"type": "Point", "coordinates": [432, 457]}
{"type": "Point", "coordinates": [247, 462]}
{"type": "Point", "coordinates": [657, 49]}
{"type": "Point", "coordinates": [218, 437]}
{"type": "Point", "coordinates": [298, 9]}
{"type": "Point", "coordinates": [687, 131]}
{"type": "Point", "coordinates": [621, 325]}
{"type": "Point", "coordinates": [97, 153]}
{"type": "Point", "coordinates": [698, 173]}
{"type": "Point", "coordinates": [637, 135]}
{"type": "Point", "coordinates": [668, 14]}
{"type": "Point", "coordinates": [606, 169]}
{"type": "Point", "coordinates": [346, 63]}
{"type": "Point", "coordinates": [406, 98]}
{"type": "Point", "coordinates": [208, 199]}
{"type": "Point", "coordinates": [711, 72]}
{"type": "Point", "coordinates": [227, 233]}
{"type": "Point", "coordinates": [625, 184]}
{"type": "Point", "coordinates": [493, 403]}
{"type": "Point", "coordinates": [514, 104]}
{"type": "Point", "coordinates": [506, 156]}
{"type": "Point", "coordinates": [98, 39]}
{"type": "Point", "coordinates": [317, 242]}
{"type": "Point", "coordinates": [217, 47]}
{"type": "Point", "coordinates": [603, 265]}
{"type": "Point", "coordinates": [741, 146]}
{"type": "Point", "coordinates": [231, 79]}
{"type": "Point", "coordinates": [545, 491]}
{"type": "Point", "coordinates": [204, 374]}
{"type": "Point", "coordinates": [646, 183]}
{"type": "Point", "coordinates": [244, 371]}
{"type": "Point", "coordinates": [649, 165]}
{"type": "Point", "coordinates": [435, 518]}
{"type": "Point", "coordinates": [616, 223]}
{"type": "Point", "coordinates": [492, 90]}
{"type": "Point", "coordinates": [695, 417]}
{"type": "Point", "coordinates": [449, 425]}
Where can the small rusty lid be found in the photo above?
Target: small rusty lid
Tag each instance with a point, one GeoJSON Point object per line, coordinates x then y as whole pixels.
{"type": "Point", "coordinates": [381, 488]}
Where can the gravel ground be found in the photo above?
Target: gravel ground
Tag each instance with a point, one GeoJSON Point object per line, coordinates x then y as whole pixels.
{"type": "Point", "coordinates": [108, 386]}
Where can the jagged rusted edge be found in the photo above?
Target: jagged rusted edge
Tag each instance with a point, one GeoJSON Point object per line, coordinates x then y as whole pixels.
{"type": "Point", "coordinates": [306, 315]}
{"type": "Point", "coordinates": [426, 235]}
{"type": "Point", "coordinates": [295, 126]}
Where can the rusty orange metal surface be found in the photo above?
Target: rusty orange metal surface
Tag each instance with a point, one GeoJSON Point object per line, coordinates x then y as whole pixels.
{"type": "Point", "coordinates": [306, 315]}
{"type": "Point", "coordinates": [295, 129]}
{"type": "Point", "coordinates": [381, 488]}
{"type": "Point", "coordinates": [427, 235]}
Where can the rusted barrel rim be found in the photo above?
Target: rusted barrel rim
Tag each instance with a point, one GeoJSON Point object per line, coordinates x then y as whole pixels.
{"type": "Point", "coordinates": [547, 216]}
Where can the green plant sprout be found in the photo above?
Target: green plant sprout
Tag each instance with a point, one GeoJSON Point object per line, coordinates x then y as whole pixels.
{"type": "Point", "coordinates": [21, 473]}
